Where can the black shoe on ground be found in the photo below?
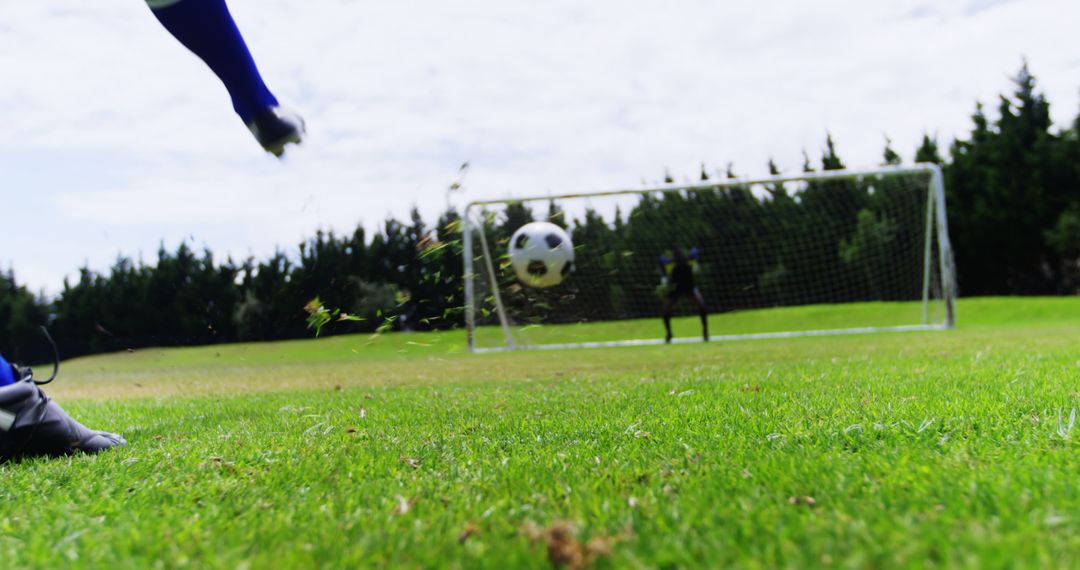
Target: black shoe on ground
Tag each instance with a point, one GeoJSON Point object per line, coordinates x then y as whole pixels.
{"type": "Point", "coordinates": [32, 425]}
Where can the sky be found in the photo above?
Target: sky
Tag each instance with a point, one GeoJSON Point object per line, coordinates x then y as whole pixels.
{"type": "Point", "coordinates": [114, 139]}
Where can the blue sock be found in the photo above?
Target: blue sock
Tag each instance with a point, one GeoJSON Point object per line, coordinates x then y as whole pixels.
{"type": "Point", "coordinates": [7, 375]}
{"type": "Point", "coordinates": [207, 29]}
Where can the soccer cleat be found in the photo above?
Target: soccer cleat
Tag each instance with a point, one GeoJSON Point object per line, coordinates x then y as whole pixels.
{"type": "Point", "coordinates": [32, 425]}
{"type": "Point", "coordinates": [276, 128]}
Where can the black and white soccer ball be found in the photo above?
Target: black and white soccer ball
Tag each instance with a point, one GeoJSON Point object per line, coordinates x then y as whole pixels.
{"type": "Point", "coordinates": [541, 254]}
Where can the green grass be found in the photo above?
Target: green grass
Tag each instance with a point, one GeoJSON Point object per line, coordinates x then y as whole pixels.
{"type": "Point", "coordinates": [786, 319]}
{"type": "Point", "coordinates": [947, 449]}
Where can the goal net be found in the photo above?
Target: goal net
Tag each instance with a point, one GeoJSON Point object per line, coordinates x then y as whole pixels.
{"type": "Point", "coordinates": [819, 253]}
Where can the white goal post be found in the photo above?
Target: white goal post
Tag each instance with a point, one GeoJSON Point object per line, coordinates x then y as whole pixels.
{"type": "Point", "coordinates": [811, 254]}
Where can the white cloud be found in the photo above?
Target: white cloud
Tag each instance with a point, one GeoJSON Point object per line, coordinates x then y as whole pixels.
{"type": "Point", "coordinates": [117, 138]}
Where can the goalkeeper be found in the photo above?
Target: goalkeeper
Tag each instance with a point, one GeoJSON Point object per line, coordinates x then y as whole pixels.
{"type": "Point", "coordinates": [677, 271]}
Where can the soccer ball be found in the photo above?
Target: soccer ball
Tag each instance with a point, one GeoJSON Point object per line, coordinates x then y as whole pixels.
{"type": "Point", "coordinates": [541, 254]}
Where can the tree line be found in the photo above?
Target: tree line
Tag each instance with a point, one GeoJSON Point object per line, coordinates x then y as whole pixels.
{"type": "Point", "coordinates": [1013, 193]}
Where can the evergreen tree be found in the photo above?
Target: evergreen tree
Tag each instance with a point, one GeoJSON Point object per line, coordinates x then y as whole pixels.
{"type": "Point", "coordinates": [1006, 188]}
{"type": "Point", "coordinates": [821, 267]}
{"type": "Point", "coordinates": [889, 157]}
{"type": "Point", "coordinates": [928, 151]}
{"type": "Point", "coordinates": [776, 191]}
{"type": "Point", "coordinates": [830, 160]}
{"type": "Point", "coordinates": [448, 263]}
{"type": "Point", "coordinates": [20, 316]}
{"type": "Point", "coordinates": [556, 215]}
{"type": "Point", "coordinates": [517, 214]}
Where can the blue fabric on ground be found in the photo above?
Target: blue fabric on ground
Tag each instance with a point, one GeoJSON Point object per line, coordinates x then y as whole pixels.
{"type": "Point", "coordinates": [207, 29]}
{"type": "Point", "coordinates": [7, 375]}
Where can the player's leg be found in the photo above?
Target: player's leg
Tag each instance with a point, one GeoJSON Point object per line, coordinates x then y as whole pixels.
{"type": "Point", "coordinates": [703, 311]}
{"type": "Point", "coordinates": [668, 306]}
{"type": "Point", "coordinates": [31, 424]}
{"type": "Point", "coordinates": [207, 29]}
{"type": "Point", "coordinates": [7, 373]}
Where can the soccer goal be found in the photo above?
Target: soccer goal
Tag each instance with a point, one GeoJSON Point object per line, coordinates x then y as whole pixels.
{"type": "Point", "coordinates": [838, 252]}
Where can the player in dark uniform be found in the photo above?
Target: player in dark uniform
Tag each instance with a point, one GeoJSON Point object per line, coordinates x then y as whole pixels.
{"type": "Point", "coordinates": [207, 29]}
{"type": "Point", "coordinates": [678, 271]}
{"type": "Point", "coordinates": [32, 425]}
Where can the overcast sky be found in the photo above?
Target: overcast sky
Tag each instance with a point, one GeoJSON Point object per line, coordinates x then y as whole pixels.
{"type": "Point", "coordinates": [114, 138]}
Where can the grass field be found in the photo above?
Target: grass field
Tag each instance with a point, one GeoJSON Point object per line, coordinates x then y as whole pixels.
{"type": "Point", "coordinates": [788, 319]}
{"type": "Point", "coordinates": [948, 449]}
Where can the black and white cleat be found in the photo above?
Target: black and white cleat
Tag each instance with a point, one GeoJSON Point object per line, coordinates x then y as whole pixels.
{"type": "Point", "coordinates": [277, 128]}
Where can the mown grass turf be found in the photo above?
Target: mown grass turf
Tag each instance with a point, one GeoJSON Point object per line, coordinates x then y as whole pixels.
{"type": "Point", "coordinates": [774, 320]}
{"type": "Point", "coordinates": [947, 449]}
